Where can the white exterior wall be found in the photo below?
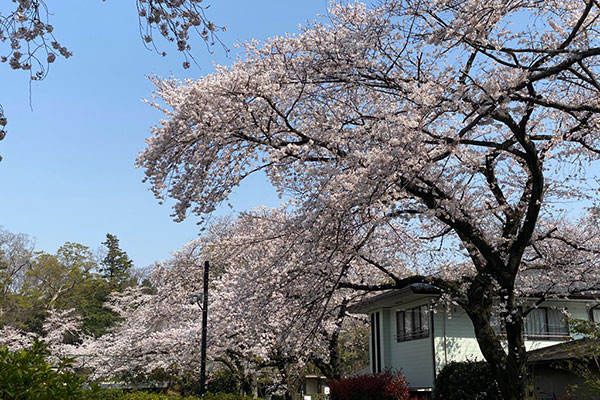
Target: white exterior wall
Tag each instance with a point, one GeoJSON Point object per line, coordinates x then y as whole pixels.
{"type": "Point", "coordinates": [413, 357]}
{"type": "Point", "coordinates": [386, 339]}
{"type": "Point", "coordinates": [455, 338]}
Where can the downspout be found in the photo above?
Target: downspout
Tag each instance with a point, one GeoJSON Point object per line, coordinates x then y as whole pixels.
{"type": "Point", "coordinates": [445, 343]}
{"type": "Point", "coordinates": [373, 350]}
{"type": "Point", "coordinates": [432, 333]}
{"type": "Point", "coordinates": [378, 342]}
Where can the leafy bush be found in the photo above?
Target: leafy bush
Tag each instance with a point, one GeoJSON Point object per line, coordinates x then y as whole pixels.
{"type": "Point", "coordinates": [105, 394]}
{"type": "Point", "coordinates": [220, 381]}
{"type": "Point", "coordinates": [154, 396]}
{"type": "Point", "coordinates": [27, 375]}
{"type": "Point", "coordinates": [223, 381]}
{"type": "Point", "coordinates": [466, 380]}
{"type": "Point", "coordinates": [226, 396]}
{"type": "Point", "coordinates": [111, 394]}
{"type": "Point", "coordinates": [144, 396]}
{"type": "Point", "coordinates": [384, 386]}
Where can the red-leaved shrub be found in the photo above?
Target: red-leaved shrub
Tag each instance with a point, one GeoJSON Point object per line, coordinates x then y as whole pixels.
{"type": "Point", "coordinates": [383, 386]}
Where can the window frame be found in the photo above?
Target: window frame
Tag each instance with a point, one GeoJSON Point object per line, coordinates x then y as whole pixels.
{"type": "Point", "coordinates": [546, 334]}
{"type": "Point", "coordinates": [413, 323]}
{"type": "Point", "coordinates": [592, 309]}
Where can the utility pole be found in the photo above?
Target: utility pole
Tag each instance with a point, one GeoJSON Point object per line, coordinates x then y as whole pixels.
{"type": "Point", "coordinates": [204, 329]}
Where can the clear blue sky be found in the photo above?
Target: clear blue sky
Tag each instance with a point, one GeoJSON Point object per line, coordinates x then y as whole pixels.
{"type": "Point", "coordinates": [68, 169]}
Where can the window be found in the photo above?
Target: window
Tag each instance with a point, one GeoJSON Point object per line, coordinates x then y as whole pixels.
{"type": "Point", "coordinates": [595, 312]}
{"type": "Point", "coordinates": [412, 324]}
{"type": "Point", "coordinates": [545, 323]}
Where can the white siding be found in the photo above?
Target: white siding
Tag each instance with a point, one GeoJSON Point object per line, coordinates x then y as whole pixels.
{"type": "Point", "coordinates": [455, 338]}
{"type": "Point", "coordinates": [386, 339]}
{"type": "Point", "coordinates": [413, 357]}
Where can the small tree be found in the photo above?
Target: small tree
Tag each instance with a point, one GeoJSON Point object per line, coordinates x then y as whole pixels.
{"type": "Point", "coordinates": [586, 362]}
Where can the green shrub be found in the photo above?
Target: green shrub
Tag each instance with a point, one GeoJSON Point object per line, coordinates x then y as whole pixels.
{"type": "Point", "coordinates": [111, 394]}
{"type": "Point", "coordinates": [220, 381]}
{"type": "Point", "coordinates": [225, 396]}
{"type": "Point", "coordinates": [142, 396]}
{"type": "Point", "coordinates": [152, 396]}
{"type": "Point", "coordinates": [223, 381]}
{"type": "Point", "coordinates": [105, 394]}
{"type": "Point", "coordinates": [27, 375]}
{"type": "Point", "coordinates": [466, 380]}
{"type": "Point", "coordinates": [187, 385]}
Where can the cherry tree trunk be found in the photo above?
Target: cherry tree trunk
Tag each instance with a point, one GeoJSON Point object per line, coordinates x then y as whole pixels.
{"type": "Point", "coordinates": [508, 366]}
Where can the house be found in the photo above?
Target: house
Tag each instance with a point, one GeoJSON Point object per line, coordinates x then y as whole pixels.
{"type": "Point", "coordinates": [315, 384]}
{"type": "Point", "coordinates": [551, 370]}
{"type": "Point", "coordinates": [314, 387]}
{"type": "Point", "coordinates": [413, 330]}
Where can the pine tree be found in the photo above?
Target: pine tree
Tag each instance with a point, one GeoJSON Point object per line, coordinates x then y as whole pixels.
{"type": "Point", "coordinates": [116, 266]}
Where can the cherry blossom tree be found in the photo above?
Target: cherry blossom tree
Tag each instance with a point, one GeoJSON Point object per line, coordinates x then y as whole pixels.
{"type": "Point", "coordinates": [15, 339]}
{"type": "Point", "coordinates": [459, 137]}
{"type": "Point", "coordinates": [160, 326]}
{"type": "Point", "coordinates": [60, 328]}
{"type": "Point", "coordinates": [271, 307]}
{"type": "Point", "coordinates": [261, 318]}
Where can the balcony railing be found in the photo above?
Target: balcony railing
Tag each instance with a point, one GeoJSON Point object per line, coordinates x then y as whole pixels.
{"type": "Point", "coordinates": [403, 337]}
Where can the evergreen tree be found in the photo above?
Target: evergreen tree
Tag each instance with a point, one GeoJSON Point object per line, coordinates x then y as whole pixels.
{"type": "Point", "coordinates": [116, 266]}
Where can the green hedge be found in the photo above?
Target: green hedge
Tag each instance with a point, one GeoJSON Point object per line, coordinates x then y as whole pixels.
{"type": "Point", "coordinates": [226, 396]}
{"type": "Point", "coordinates": [109, 394]}
{"type": "Point", "coordinates": [105, 394]}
